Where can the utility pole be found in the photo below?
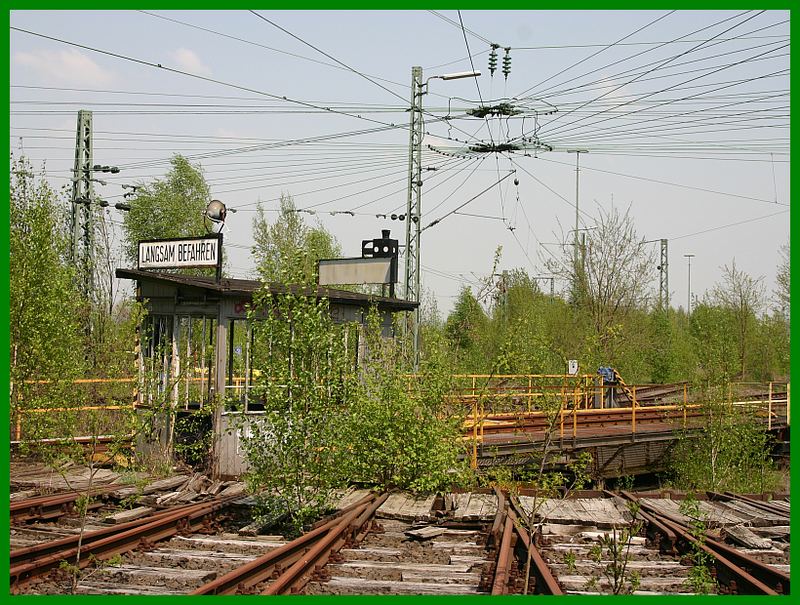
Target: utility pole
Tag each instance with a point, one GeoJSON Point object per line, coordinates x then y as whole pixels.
{"type": "Point", "coordinates": [689, 297]}
{"type": "Point", "coordinates": [577, 153]}
{"type": "Point", "coordinates": [82, 245]}
{"type": "Point", "coordinates": [663, 282]}
{"type": "Point", "coordinates": [414, 205]}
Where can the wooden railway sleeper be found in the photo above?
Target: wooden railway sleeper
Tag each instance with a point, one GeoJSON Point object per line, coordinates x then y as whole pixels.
{"type": "Point", "coordinates": [737, 570]}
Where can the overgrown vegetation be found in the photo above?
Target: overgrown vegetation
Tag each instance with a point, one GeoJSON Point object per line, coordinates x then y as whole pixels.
{"type": "Point", "coordinates": [731, 453]}
{"type": "Point", "coordinates": [328, 421]}
{"type": "Point", "coordinates": [700, 579]}
{"type": "Point", "coordinates": [336, 412]}
{"type": "Point", "coordinates": [613, 553]}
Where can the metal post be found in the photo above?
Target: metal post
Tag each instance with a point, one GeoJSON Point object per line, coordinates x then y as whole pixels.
{"type": "Point", "coordinates": [81, 250]}
{"type": "Point", "coordinates": [577, 153]}
{"type": "Point", "coordinates": [475, 433]}
{"type": "Point", "coordinates": [689, 295]}
{"type": "Point", "coordinates": [414, 206]}
{"type": "Point", "coordinates": [663, 285]}
{"type": "Point", "coordinates": [530, 391]}
{"type": "Point", "coordinates": [769, 411]}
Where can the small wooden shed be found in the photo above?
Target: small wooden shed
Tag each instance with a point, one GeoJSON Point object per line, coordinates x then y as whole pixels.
{"type": "Point", "coordinates": [195, 348]}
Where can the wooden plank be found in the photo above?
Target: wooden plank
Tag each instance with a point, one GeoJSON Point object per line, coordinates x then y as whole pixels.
{"type": "Point", "coordinates": [472, 561]}
{"type": "Point", "coordinates": [648, 583]}
{"type": "Point", "coordinates": [362, 586]}
{"type": "Point", "coordinates": [217, 543]}
{"type": "Point", "coordinates": [756, 516]}
{"type": "Point", "coordinates": [480, 507]}
{"type": "Point", "coordinates": [162, 485]}
{"type": "Point", "coordinates": [775, 531]}
{"type": "Point", "coordinates": [433, 568]}
{"type": "Point", "coordinates": [156, 576]}
{"type": "Point", "coordinates": [234, 489]}
{"type": "Point", "coordinates": [375, 551]}
{"type": "Point", "coordinates": [564, 529]}
{"type": "Point", "coordinates": [417, 508]}
{"type": "Point", "coordinates": [718, 514]}
{"type": "Point", "coordinates": [460, 503]}
{"type": "Point", "coordinates": [164, 555]}
{"type": "Point", "coordinates": [128, 515]}
{"type": "Point", "coordinates": [444, 577]}
{"type": "Point", "coordinates": [425, 533]}
{"type": "Point", "coordinates": [742, 535]}
{"type": "Point", "coordinates": [109, 588]}
{"type": "Point", "coordinates": [391, 506]}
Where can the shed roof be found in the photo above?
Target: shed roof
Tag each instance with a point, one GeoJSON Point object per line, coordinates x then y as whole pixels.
{"type": "Point", "coordinates": [246, 287]}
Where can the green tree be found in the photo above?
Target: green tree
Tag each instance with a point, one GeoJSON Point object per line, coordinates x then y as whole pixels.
{"type": "Point", "coordinates": [614, 274]}
{"type": "Point", "coordinates": [399, 431]}
{"type": "Point", "coordinates": [44, 307]}
{"type": "Point", "coordinates": [730, 453]}
{"type": "Point", "coordinates": [742, 296]}
{"type": "Point", "coordinates": [783, 279]}
{"type": "Point", "coordinates": [304, 380]}
{"type": "Point", "coordinates": [288, 250]}
{"type": "Point", "coordinates": [171, 207]}
{"type": "Point", "coordinates": [465, 328]}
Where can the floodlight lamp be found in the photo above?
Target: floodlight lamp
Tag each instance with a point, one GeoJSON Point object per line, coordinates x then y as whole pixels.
{"type": "Point", "coordinates": [215, 212]}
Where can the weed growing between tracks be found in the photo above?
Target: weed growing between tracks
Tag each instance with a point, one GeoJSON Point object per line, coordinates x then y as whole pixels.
{"type": "Point", "coordinates": [700, 579]}
{"type": "Point", "coordinates": [615, 548]}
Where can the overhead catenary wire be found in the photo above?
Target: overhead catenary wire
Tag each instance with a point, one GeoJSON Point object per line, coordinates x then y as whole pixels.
{"type": "Point", "coordinates": [634, 71]}
{"type": "Point", "coordinates": [548, 127]}
{"type": "Point", "coordinates": [605, 48]}
{"type": "Point", "coordinates": [737, 223]}
{"type": "Point", "coordinates": [469, 201]}
{"type": "Point", "coordinates": [572, 126]}
{"type": "Point", "coordinates": [669, 183]}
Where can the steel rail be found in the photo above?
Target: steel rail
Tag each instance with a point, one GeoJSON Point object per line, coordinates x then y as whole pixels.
{"type": "Point", "coordinates": [52, 506]}
{"type": "Point", "coordinates": [298, 555]}
{"type": "Point", "coordinates": [740, 569]}
{"type": "Point", "coordinates": [545, 581]}
{"type": "Point", "coordinates": [765, 506]}
{"type": "Point", "coordinates": [660, 534]}
{"type": "Point", "coordinates": [190, 518]}
{"type": "Point", "coordinates": [36, 551]}
{"type": "Point", "coordinates": [505, 558]}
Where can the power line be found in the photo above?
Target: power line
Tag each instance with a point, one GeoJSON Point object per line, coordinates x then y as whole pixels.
{"type": "Point", "coordinates": [660, 182]}
{"type": "Point", "coordinates": [199, 77]}
{"type": "Point", "coordinates": [659, 66]}
{"type": "Point", "coordinates": [605, 48]}
{"type": "Point", "coordinates": [331, 57]}
{"type": "Point", "coordinates": [746, 221]}
{"type": "Point", "coordinates": [572, 125]}
{"type": "Point", "coordinates": [473, 198]}
{"type": "Point", "coordinates": [460, 26]}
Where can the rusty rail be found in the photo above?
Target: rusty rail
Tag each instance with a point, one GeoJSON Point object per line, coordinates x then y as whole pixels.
{"type": "Point", "coordinates": [45, 508]}
{"type": "Point", "coordinates": [40, 559]}
{"type": "Point", "coordinates": [37, 551]}
{"type": "Point", "coordinates": [505, 558]}
{"type": "Point", "coordinates": [300, 557]}
{"type": "Point", "coordinates": [544, 580]}
{"type": "Point", "coordinates": [739, 572]}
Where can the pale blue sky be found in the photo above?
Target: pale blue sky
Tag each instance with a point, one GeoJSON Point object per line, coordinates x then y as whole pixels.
{"type": "Point", "coordinates": [731, 137]}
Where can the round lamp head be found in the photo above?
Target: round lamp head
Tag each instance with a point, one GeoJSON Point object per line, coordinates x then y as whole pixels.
{"type": "Point", "coordinates": [215, 212]}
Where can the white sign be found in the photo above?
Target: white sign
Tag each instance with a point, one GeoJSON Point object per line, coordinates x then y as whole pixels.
{"type": "Point", "coordinates": [572, 367]}
{"type": "Point", "coordinates": [342, 271]}
{"type": "Point", "coordinates": [171, 254]}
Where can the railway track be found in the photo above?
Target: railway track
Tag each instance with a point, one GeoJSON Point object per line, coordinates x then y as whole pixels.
{"type": "Point", "coordinates": [464, 543]}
